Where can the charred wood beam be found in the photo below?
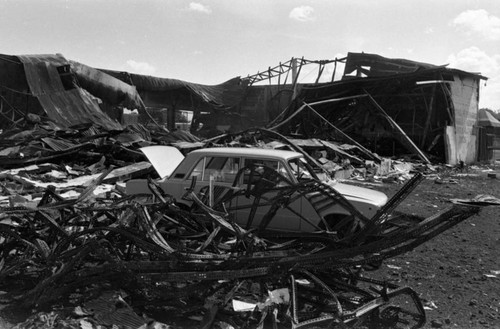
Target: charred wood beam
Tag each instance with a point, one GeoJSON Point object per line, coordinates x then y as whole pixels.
{"type": "Point", "coordinates": [390, 246]}
{"type": "Point", "coordinates": [9, 163]}
{"type": "Point", "coordinates": [374, 224]}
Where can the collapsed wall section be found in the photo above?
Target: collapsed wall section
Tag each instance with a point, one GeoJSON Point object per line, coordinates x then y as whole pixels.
{"type": "Point", "coordinates": [462, 137]}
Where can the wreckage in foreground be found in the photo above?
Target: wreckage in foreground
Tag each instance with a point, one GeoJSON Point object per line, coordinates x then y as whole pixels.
{"type": "Point", "coordinates": [199, 264]}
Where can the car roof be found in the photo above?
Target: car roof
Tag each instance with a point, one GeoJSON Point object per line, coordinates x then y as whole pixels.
{"type": "Point", "coordinates": [248, 151]}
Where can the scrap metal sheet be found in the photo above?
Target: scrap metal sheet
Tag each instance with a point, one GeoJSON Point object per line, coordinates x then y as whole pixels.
{"type": "Point", "coordinates": [229, 93]}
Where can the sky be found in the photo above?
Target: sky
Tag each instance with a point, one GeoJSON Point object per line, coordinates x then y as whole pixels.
{"type": "Point", "coordinates": [212, 41]}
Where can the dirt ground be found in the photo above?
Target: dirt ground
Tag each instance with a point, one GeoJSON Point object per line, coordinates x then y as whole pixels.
{"type": "Point", "coordinates": [457, 274]}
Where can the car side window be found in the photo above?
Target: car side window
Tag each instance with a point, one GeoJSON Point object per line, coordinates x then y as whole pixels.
{"type": "Point", "coordinates": [299, 169]}
{"type": "Point", "coordinates": [198, 170]}
{"type": "Point", "coordinates": [258, 167]}
{"type": "Point", "coordinates": [223, 169]}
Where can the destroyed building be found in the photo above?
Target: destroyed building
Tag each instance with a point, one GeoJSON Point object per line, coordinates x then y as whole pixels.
{"type": "Point", "coordinates": [391, 107]}
{"type": "Point", "coordinates": [69, 232]}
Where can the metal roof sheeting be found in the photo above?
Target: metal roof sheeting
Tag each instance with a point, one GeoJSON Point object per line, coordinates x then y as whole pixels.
{"type": "Point", "coordinates": [227, 94]}
{"type": "Point", "coordinates": [74, 107]}
{"type": "Point", "coordinates": [66, 107]}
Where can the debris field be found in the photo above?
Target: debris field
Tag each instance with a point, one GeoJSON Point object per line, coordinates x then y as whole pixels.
{"type": "Point", "coordinates": [78, 252]}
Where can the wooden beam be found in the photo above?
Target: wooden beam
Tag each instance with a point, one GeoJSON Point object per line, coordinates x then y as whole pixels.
{"type": "Point", "coordinates": [404, 138]}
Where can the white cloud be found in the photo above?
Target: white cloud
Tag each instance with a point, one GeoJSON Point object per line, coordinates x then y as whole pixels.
{"type": "Point", "coordinates": [478, 22]}
{"type": "Point", "coordinates": [302, 13]}
{"type": "Point", "coordinates": [490, 95]}
{"type": "Point", "coordinates": [474, 59]}
{"type": "Point", "coordinates": [196, 6]}
{"type": "Point", "coordinates": [141, 67]}
{"type": "Point", "coordinates": [429, 30]}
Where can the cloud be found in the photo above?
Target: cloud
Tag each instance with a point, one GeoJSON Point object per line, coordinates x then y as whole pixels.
{"type": "Point", "coordinates": [490, 95]}
{"type": "Point", "coordinates": [474, 59]}
{"type": "Point", "coordinates": [478, 22]}
{"type": "Point", "coordinates": [141, 67]}
{"type": "Point", "coordinates": [195, 6]}
{"type": "Point", "coordinates": [429, 30]}
{"type": "Point", "coordinates": [302, 14]}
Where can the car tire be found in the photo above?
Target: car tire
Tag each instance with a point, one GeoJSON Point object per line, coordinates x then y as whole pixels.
{"type": "Point", "coordinates": [343, 224]}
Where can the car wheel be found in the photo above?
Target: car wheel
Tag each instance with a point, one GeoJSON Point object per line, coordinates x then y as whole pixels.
{"type": "Point", "coordinates": [343, 224]}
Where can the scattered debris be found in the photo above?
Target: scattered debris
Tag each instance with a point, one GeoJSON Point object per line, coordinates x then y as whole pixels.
{"type": "Point", "coordinates": [67, 227]}
{"type": "Point", "coordinates": [162, 252]}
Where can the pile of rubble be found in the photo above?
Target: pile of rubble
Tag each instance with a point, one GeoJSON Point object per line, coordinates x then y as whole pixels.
{"type": "Point", "coordinates": [68, 232]}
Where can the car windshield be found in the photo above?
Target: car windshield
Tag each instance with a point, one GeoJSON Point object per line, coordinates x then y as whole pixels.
{"type": "Point", "coordinates": [300, 169]}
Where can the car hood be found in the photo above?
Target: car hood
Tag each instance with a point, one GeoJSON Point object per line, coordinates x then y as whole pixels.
{"type": "Point", "coordinates": [163, 158]}
{"type": "Point", "coordinates": [356, 193]}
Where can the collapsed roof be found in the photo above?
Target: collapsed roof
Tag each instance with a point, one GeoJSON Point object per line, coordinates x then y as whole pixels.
{"type": "Point", "coordinates": [70, 93]}
{"type": "Point", "coordinates": [389, 106]}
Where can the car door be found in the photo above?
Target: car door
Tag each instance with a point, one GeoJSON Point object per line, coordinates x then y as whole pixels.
{"type": "Point", "coordinates": [222, 170]}
{"type": "Point", "coordinates": [284, 219]}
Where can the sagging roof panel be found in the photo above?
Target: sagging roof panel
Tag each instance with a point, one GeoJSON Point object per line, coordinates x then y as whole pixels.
{"type": "Point", "coordinates": [372, 65]}
{"type": "Point", "coordinates": [107, 87]}
{"type": "Point", "coordinates": [41, 73]}
{"type": "Point", "coordinates": [72, 107]}
{"type": "Point", "coordinates": [66, 105]}
{"type": "Point", "coordinates": [226, 94]}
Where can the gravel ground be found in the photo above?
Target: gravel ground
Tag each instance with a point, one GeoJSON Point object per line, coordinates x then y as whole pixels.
{"type": "Point", "coordinates": [457, 274]}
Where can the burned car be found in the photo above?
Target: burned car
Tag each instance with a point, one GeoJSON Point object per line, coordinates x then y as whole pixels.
{"type": "Point", "coordinates": [248, 181]}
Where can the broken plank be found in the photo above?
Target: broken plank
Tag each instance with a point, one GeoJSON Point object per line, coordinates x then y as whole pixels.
{"type": "Point", "coordinates": [131, 171]}
{"type": "Point", "coordinates": [123, 173]}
